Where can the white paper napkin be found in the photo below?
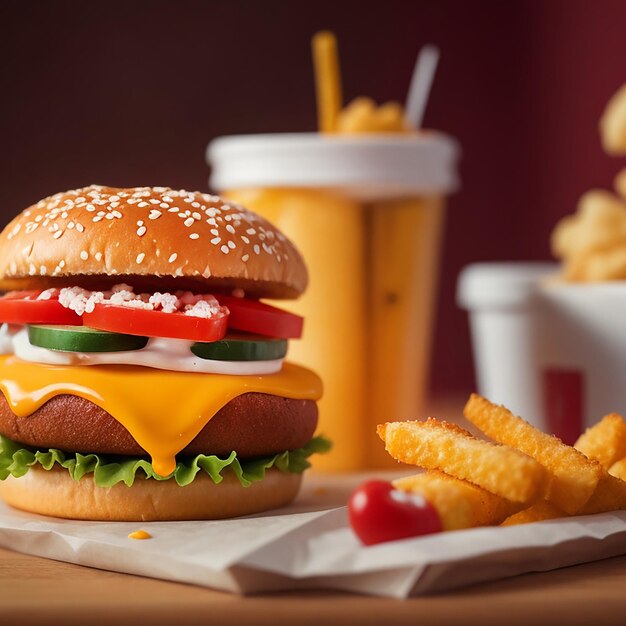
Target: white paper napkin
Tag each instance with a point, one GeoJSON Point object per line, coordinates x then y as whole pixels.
{"type": "Point", "coordinates": [314, 549]}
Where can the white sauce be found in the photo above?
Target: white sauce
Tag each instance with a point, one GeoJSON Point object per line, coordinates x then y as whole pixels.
{"type": "Point", "coordinates": [7, 331]}
{"type": "Point", "coordinates": [159, 353]}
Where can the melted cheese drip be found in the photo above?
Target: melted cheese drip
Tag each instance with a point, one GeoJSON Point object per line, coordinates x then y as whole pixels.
{"type": "Point", "coordinates": [164, 411]}
{"type": "Point", "coordinates": [140, 534]}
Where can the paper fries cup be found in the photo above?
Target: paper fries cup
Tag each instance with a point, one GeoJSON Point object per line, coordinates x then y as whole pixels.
{"type": "Point", "coordinates": [554, 352]}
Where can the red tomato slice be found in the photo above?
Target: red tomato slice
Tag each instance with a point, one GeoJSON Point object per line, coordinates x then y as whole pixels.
{"type": "Point", "coordinates": [123, 319]}
{"type": "Point", "coordinates": [21, 307]}
{"type": "Point", "coordinates": [262, 319]}
{"type": "Point", "coordinates": [379, 513]}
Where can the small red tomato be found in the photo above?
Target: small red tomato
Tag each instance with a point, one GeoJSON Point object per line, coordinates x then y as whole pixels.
{"type": "Point", "coordinates": [379, 513]}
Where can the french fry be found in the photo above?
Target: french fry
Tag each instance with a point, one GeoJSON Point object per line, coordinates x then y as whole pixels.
{"type": "Point", "coordinates": [538, 512]}
{"type": "Point", "coordinates": [604, 442]}
{"type": "Point", "coordinates": [438, 445]}
{"type": "Point", "coordinates": [610, 495]}
{"type": "Point", "coordinates": [459, 503]}
{"type": "Point", "coordinates": [619, 469]}
{"type": "Point", "coordinates": [574, 476]}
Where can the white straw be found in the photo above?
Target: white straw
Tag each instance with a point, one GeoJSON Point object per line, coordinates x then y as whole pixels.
{"type": "Point", "coordinates": [422, 81]}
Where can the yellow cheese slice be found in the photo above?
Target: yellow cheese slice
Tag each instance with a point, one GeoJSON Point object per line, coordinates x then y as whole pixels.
{"type": "Point", "coordinates": [163, 410]}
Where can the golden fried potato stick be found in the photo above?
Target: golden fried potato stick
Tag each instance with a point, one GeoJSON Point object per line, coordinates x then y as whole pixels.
{"type": "Point", "coordinates": [610, 495]}
{"type": "Point", "coordinates": [604, 442]}
{"type": "Point", "coordinates": [459, 503]}
{"type": "Point", "coordinates": [538, 512]}
{"type": "Point", "coordinates": [574, 476]}
{"type": "Point", "coordinates": [438, 445]}
{"type": "Point", "coordinates": [619, 469]}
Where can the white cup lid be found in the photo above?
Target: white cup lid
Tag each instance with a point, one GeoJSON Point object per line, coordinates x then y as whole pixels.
{"type": "Point", "coordinates": [493, 285]}
{"type": "Point", "coordinates": [363, 166]}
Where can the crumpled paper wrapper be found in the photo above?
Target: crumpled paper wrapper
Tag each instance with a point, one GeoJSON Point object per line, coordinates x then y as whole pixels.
{"type": "Point", "coordinates": [300, 548]}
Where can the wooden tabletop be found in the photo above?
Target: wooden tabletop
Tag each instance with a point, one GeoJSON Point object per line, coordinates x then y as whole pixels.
{"type": "Point", "coordinates": [47, 592]}
{"type": "Point", "coordinates": [33, 590]}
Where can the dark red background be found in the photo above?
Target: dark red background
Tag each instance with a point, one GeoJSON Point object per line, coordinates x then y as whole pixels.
{"type": "Point", "coordinates": [129, 93]}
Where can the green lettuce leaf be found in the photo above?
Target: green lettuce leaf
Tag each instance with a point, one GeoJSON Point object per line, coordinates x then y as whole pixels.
{"type": "Point", "coordinates": [16, 460]}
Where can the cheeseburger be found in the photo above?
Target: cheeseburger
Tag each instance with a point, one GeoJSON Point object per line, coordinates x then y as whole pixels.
{"type": "Point", "coordinates": [141, 376]}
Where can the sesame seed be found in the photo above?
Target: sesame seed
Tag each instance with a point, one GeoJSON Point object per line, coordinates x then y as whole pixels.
{"type": "Point", "coordinates": [245, 239]}
{"type": "Point", "coordinates": [80, 228]}
{"type": "Point", "coordinates": [42, 270]}
{"type": "Point", "coordinates": [195, 205]}
{"type": "Point", "coordinates": [141, 231]}
{"type": "Point", "coordinates": [84, 255]}
{"type": "Point", "coordinates": [216, 240]}
{"type": "Point", "coordinates": [230, 229]}
{"type": "Point", "coordinates": [257, 249]}
{"type": "Point", "coordinates": [117, 214]}
{"type": "Point", "coordinates": [189, 221]}
{"type": "Point", "coordinates": [109, 216]}
{"type": "Point", "coordinates": [194, 236]}
{"type": "Point", "coordinates": [113, 199]}
{"type": "Point", "coordinates": [90, 207]}
{"type": "Point", "coordinates": [245, 258]}
{"type": "Point", "coordinates": [70, 225]}
{"type": "Point", "coordinates": [142, 204]}
{"type": "Point", "coordinates": [225, 249]}
{"type": "Point", "coordinates": [173, 257]}
{"type": "Point", "coordinates": [62, 263]}
{"type": "Point", "coordinates": [164, 205]}
{"type": "Point", "coordinates": [97, 218]}
{"type": "Point", "coordinates": [167, 199]}
{"type": "Point", "coordinates": [154, 201]}
{"type": "Point", "coordinates": [174, 209]}
{"type": "Point", "coordinates": [98, 256]}
{"type": "Point", "coordinates": [140, 257]}
{"type": "Point", "coordinates": [196, 215]}
{"type": "Point", "coordinates": [139, 222]}
{"type": "Point", "coordinates": [114, 204]}
{"type": "Point", "coordinates": [251, 231]}
{"type": "Point", "coordinates": [63, 215]}
{"type": "Point", "coordinates": [231, 245]}
{"type": "Point", "coordinates": [58, 234]}
{"type": "Point", "coordinates": [154, 214]}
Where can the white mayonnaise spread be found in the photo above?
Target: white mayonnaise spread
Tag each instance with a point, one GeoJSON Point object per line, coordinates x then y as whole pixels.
{"type": "Point", "coordinates": [160, 353]}
{"type": "Point", "coordinates": [7, 331]}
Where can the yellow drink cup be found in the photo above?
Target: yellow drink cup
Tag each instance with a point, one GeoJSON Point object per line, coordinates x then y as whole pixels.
{"type": "Point", "coordinates": [366, 213]}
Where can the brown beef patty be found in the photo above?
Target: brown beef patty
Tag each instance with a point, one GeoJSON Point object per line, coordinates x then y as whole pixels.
{"type": "Point", "coordinates": [253, 424]}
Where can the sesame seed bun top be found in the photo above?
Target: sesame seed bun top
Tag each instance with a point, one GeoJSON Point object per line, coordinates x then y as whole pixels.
{"type": "Point", "coordinates": [148, 236]}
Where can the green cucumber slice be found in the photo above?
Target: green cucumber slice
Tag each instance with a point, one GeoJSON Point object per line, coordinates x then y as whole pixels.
{"type": "Point", "coordinates": [241, 347]}
{"type": "Point", "coordinates": [82, 339]}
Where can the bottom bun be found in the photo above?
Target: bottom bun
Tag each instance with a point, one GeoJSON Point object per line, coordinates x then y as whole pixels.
{"type": "Point", "coordinates": [54, 492]}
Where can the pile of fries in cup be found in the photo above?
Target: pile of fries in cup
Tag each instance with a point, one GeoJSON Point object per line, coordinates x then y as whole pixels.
{"type": "Point", "coordinates": [523, 475]}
